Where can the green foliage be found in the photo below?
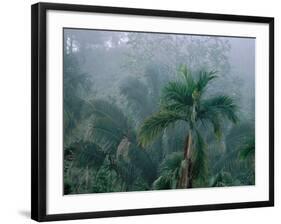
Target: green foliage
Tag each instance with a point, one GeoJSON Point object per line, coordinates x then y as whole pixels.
{"type": "Point", "coordinates": [247, 149]}
{"type": "Point", "coordinates": [128, 109]}
{"type": "Point", "coordinates": [156, 124]}
{"type": "Point", "coordinates": [222, 105]}
{"type": "Point", "coordinates": [120, 159]}
{"type": "Point", "coordinates": [108, 126]}
{"type": "Point", "coordinates": [223, 179]}
{"type": "Point", "coordinates": [85, 154]}
{"type": "Point", "coordinates": [106, 180]}
{"type": "Point", "coordinates": [169, 172]}
{"type": "Point", "coordinates": [213, 109]}
{"type": "Point", "coordinates": [179, 99]}
{"type": "Point", "coordinates": [183, 100]}
{"type": "Point", "coordinates": [238, 159]}
{"type": "Point", "coordinates": [200, 162]}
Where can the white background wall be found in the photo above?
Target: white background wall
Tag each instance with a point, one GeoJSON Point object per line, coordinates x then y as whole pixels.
{"type": "Point", "coordinates": [15, 110]}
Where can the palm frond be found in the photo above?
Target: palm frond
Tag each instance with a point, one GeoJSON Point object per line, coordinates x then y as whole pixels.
{"type": "Point", "coordinates": [204, 79]}
{"type": "Point", "coordinates": [169, 172]}
{"type": "Point", "coordinates": [222, 105]}
{"type": "Point", "coordinates": [247, 149]}
{"type": "Point", "coordinates": [104, 133]}
{"type": "Point", "coordinates": [185, 74]}
{"type": "Point", "coordinates": [155, 125]}
{"type": "Point", "coordinates": [102, 124]}
{"type": "Point", "coordinates": [178, 92]}
{"type": "Point", "coordinates": [161, 183]}
{"type": "Point", "coordinates": [176, 107]}
{"type": "Point", "coordinates": [213, 118]}
{"type": "Point", "coordinates": [108, 125]}
{"type": "Point", "coordinates": [102, 108]}
{"type": "Point", "coordinates": [171, 163]}
{"type": "Point", "coordinates": [239, 134]}
{"type": "Point", "coordinates": [142, 160]}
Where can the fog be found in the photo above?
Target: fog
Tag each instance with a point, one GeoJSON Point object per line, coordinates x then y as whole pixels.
{"type": "Point", "coordinates": [110, 57]}
{"type": "Point", "coordinates": [128, 71]}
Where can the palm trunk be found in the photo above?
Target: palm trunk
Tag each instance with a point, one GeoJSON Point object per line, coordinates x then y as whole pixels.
{"type": "Point", "coordinates": [186, 165]}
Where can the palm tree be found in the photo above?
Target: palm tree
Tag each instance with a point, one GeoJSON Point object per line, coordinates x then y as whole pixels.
{"type": "Point", "coordinates": [183, 100]}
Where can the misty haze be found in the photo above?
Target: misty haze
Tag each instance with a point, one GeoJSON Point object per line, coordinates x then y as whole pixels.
{"type": "Point", "coordinates": [153, 111]}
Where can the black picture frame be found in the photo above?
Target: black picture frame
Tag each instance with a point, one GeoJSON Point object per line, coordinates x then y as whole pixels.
{"type": "Point", "coordinates": [39, 122]}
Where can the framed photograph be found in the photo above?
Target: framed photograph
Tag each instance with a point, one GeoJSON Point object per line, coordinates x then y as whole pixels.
{"type": "Point", "coordinates": [140, 111]}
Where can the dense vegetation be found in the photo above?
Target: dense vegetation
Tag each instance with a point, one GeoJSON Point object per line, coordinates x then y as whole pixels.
{"type": "Point", "coordinates": [157, 111]}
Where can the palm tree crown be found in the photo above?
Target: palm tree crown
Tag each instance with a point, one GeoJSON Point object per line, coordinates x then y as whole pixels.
{"type": "Point", "coordinates": [183, 100]}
